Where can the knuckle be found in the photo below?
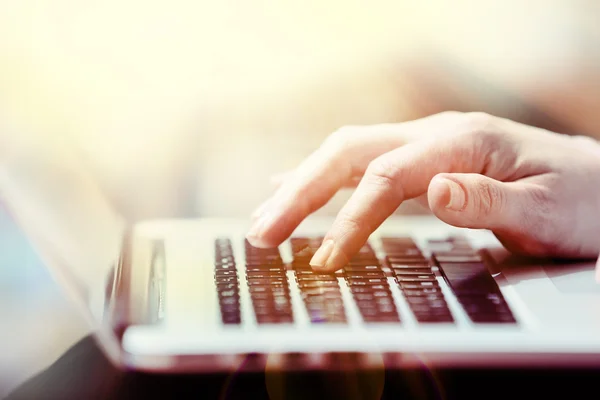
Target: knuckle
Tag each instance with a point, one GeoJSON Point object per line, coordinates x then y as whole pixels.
{"type": "Point", "coordinates": [585, 139]}
{"type": "Point", "coordinates": [382, 173]}
{"type": "Point", "coordinates": [305, 203]}
{"type": "Point", "coordinates": [449, 114]}
{"type": "Point", "coordinates": [477, 120]}
{"type": "Point", "coordinates": [586, 142]}
{"type": "Point", "coordinates": [340, 142]}
{"type": "Point", "coordinates": [537, 213]}
{"type": "Point", "coordinates": [337, 135]}
{"type": "Point", "coordinates": [341, 137]}
{"type": "Point", "coordinates": [542, 199]}
{"type": "Point", "coordinates": [482, 142]}
{"type": "Point", "coordinates": [350, 225]}
{"type": "Point", "coordinates": [477, 126]}
{"type": "Point", "coordinates": [489, 198]}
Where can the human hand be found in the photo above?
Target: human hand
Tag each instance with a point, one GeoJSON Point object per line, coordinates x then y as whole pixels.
{"type": "Point", "coordinates": [537, 191]}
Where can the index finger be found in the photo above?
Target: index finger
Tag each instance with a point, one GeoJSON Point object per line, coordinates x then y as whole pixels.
{"type": "Point", "coordinates": [396, 176]}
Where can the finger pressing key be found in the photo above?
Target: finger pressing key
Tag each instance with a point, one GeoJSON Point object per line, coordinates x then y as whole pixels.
{"type": "Point", "coordinates": [396, 176]}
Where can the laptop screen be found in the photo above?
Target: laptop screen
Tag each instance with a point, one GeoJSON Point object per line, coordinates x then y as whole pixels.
{"type": "Point", "coordinates": [46, 188]}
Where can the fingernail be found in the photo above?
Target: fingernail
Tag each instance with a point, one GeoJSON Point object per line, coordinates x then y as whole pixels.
{"type": "Point", "coordinates": [319, 260]}
{"type": "Point", "coordinates": [598, 271]}
{"type": "Point", "coordinates": [456, 201]}
{"type": "Point", "coordinates": [259, 227]}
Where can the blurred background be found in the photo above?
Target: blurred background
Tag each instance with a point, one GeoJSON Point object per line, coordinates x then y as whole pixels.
{"type": "Point", "coordinates": [186, 108]}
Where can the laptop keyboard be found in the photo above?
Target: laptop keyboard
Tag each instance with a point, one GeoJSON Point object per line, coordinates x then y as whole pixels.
{"type": "Point", "coordinates": [367, 278]}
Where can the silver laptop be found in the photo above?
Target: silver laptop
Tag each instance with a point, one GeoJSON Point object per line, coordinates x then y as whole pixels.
{"type": "Point", "coordinates": [194, 296]}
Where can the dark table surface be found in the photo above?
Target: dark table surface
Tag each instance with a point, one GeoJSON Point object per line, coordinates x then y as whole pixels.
{"type": "Point", "coordinates": [83, 372]}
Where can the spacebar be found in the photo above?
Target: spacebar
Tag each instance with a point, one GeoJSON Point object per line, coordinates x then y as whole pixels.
{"type": "Point", "coordinates": [469, 278]}
{"type": "Point", "coordinates": [477, 292]}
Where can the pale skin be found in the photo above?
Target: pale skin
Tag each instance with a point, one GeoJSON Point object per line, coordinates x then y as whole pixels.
{"type": "Point", "coordinates": [537, 191]}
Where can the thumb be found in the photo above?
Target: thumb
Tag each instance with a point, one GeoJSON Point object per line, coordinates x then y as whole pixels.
{"type": "Point", "coordinates": [598, 270]}
{"type": "Point", "coordinates": [476, 201]}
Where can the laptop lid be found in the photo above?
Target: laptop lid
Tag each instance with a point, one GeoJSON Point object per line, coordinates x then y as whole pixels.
{"type": "Point", "coordinates": [52, 196]}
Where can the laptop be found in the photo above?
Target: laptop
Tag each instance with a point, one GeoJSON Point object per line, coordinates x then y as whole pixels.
{"type": "Point", "coordinates": [193, 295]}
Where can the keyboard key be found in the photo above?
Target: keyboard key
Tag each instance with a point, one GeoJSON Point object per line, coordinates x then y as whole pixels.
{"type": "Point", "coordinates": [369, 288]}
{"type": "Point", "coordinates": [265, 274]}
{"type": "Point", "coordinates": [226, 282]}
{"type": "Point", "coordinates": [265, 269]}
{"type": "Point", "coordinates": [430, 310]}
{"type": "Point", "coordinates": [365, 274]}
{"type": "Point", "coordinates": [365, 262]}
{"type": "Point", "coordinates": [320, 312]}
{"type": "Point", "coordinates": [278, 281]}
{"type": "Point", "coordinates": [423, 280]}
{"type": "Point", "coordinates": [265, 295]}
{"type": "Point", "coordinates": [437, 302]}
{"type": "Point", "coordinates": [363, 296]}
{"type": "Point", "coordinates": [422, 291]}
{"type": "Point", "coordinates": [429, 317]}
{"type": "Point", "coordinates": [321, 291]}
{"type": "Point", "coordinates": [366, 281]}
{"type": "Point", "coordinates": [225, 267]}
{"type": "Point", "coordinates": [258, 261]}
{"type": "Point", "coordinates": [404, 252]}
{"type": "Point", "coordinates": [382, 318]}
{"type": "Point", "coordinates": [493, 318]}
{"type": "Point", "coordinates": [469, 278]}
{"type": "Point", "coordinates": [232, 318]}
{"type": "Point", "coordinates": [362, 268]}
{"type": "Point", "coordinates": [316, 278]}
{"type": "Point", "coordinates": [411, 270]}
{"type": "Point", "coordinates": [484, 309]}
{"type": "Point", "coordinates": [226, 279]}
{"type": "Point", "coordinates": [318, 284]}
{"type": "Point", "coordinates": [221, 272]}
{"type": "Point", "coordinates": [457, 257]}
{"type": "Point", "coordinates": [332, 301]}
{"type": "Point", "coordinates": [232, 292]}
{"type": "Point", "coordinates": [415, 278]}
{"type": "Point", "coordinates": [474, 306]}
{"type": "Point", "coordinates": [407, 260]}
{"type": "Point", "coordinates": [477, 291]}
{"type": "Point", "coordinates": [417, 285]}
